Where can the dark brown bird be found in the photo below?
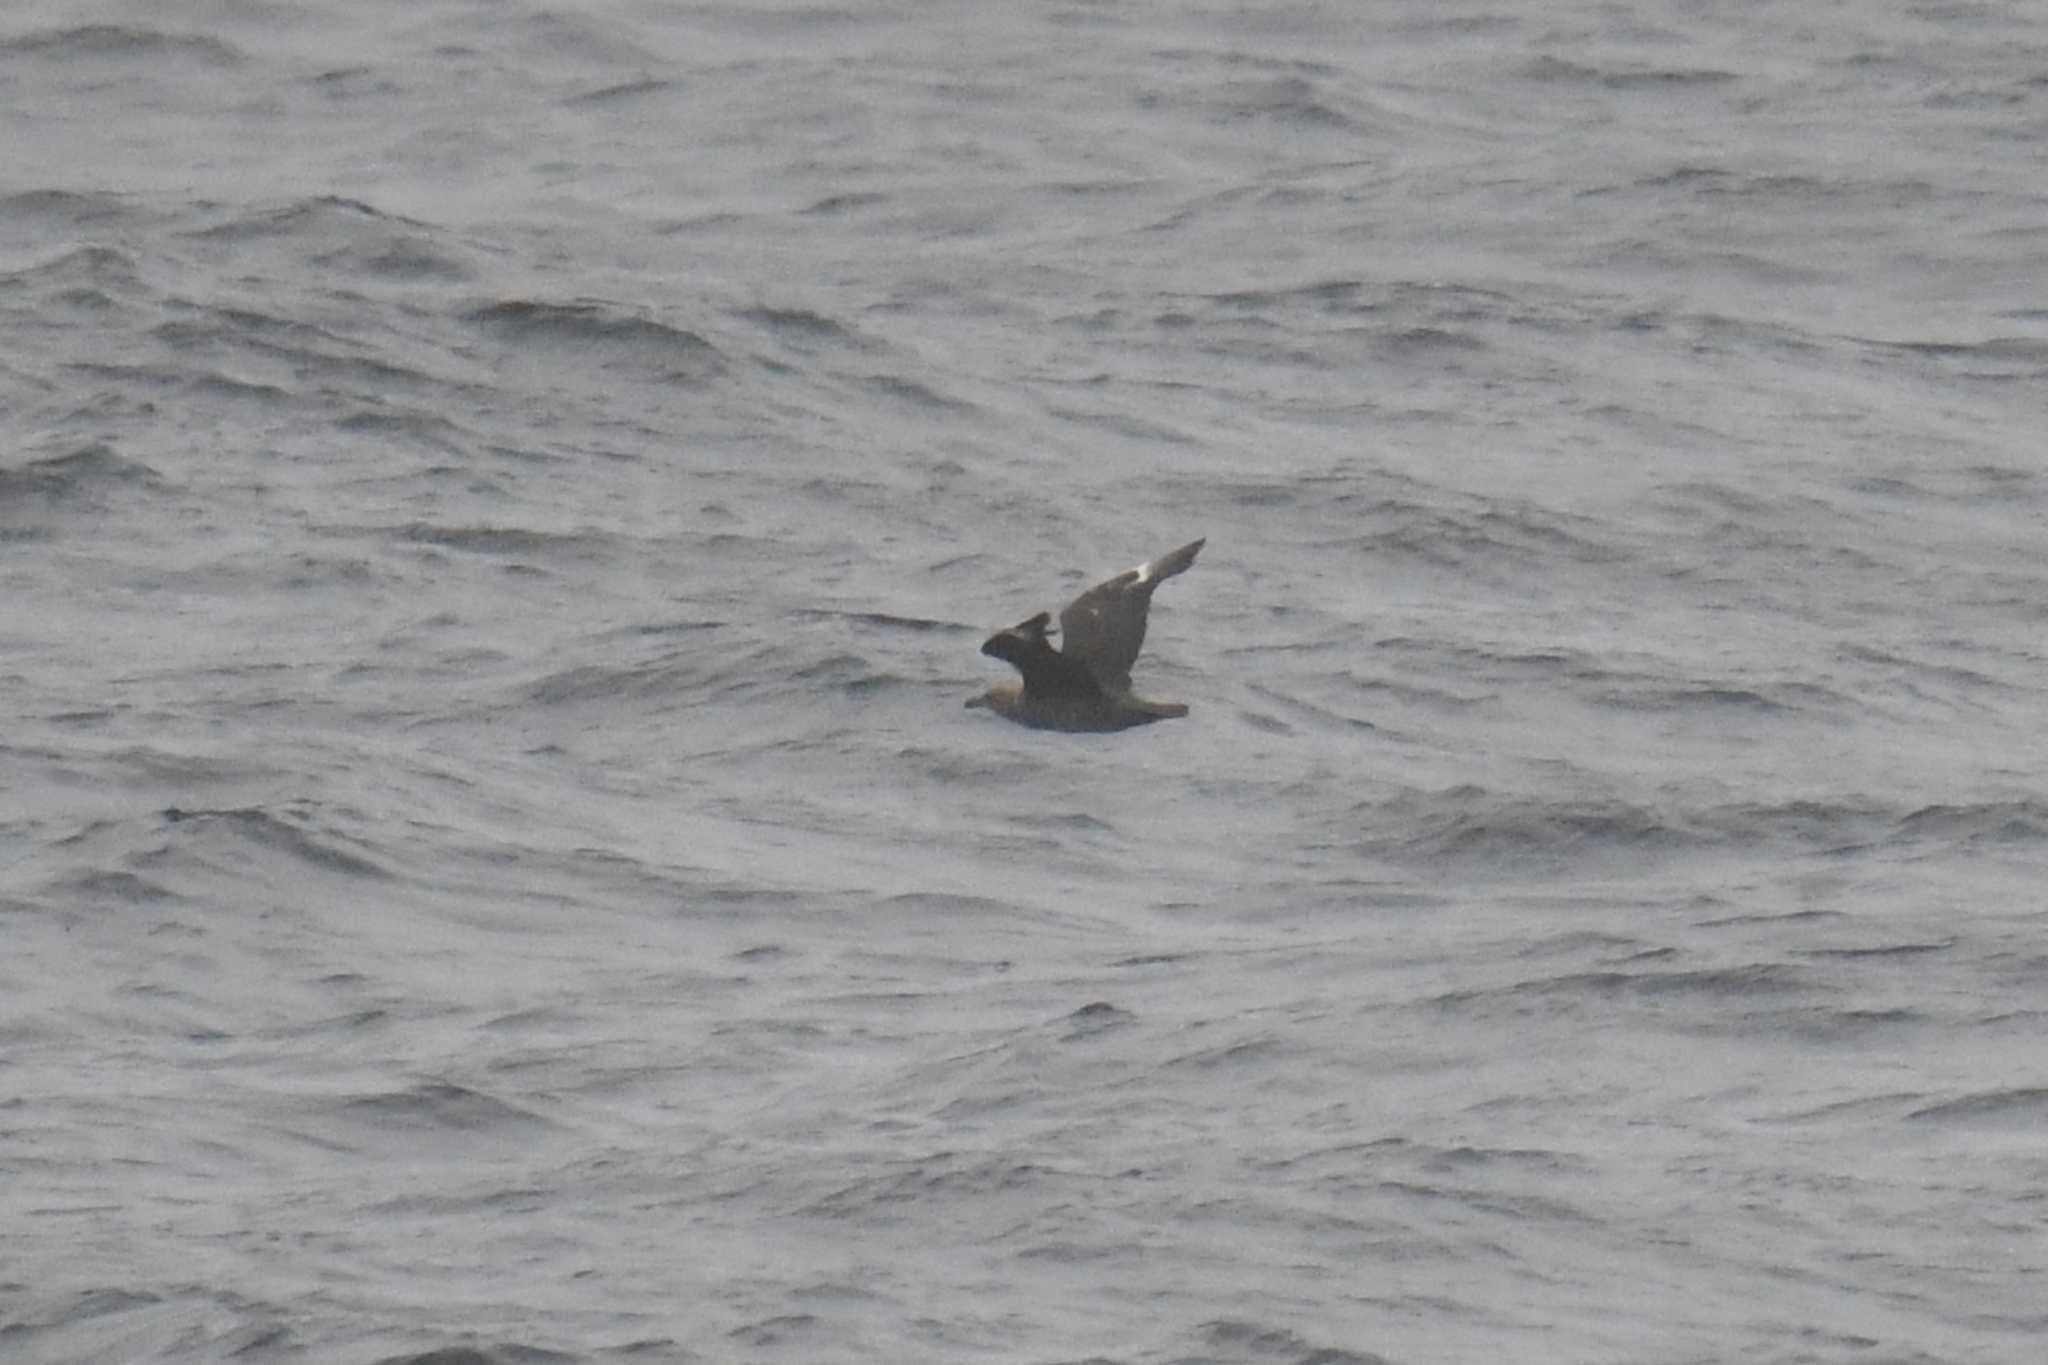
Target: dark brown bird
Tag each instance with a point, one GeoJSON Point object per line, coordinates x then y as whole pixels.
{"type": "Point", "coordinates": [1086, 684]}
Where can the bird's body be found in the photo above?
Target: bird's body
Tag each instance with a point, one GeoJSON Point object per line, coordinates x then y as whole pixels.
{"type": "Point", "coordinates": [1085, 685]}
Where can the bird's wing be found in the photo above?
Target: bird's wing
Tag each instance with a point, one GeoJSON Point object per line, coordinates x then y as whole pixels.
{"type": "Point", "coordinates": [1047, 672]}
{"type": "Point", "coordinates": [1104, 627]}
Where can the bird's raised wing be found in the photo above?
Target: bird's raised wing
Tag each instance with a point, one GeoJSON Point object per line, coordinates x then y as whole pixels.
{"type": "Point", "coordinates": [1104, 628]}
{"type": "Point", "coordinates": [1047, 672]}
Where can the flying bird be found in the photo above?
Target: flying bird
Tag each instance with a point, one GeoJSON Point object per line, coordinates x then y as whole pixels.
{"type": "Point", "coordinates": [1085, 685]}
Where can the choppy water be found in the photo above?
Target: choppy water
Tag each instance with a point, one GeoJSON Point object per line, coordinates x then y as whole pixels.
{"type": "Point", "coordinates": [498, 505]}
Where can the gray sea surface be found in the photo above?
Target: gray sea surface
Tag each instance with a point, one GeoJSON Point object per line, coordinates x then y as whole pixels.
{"type": "Point", "coordinates": [499, 505]}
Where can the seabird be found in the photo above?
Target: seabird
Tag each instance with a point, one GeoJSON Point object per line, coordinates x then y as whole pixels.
{"type": "Point", "coordinates": [1086, 685]}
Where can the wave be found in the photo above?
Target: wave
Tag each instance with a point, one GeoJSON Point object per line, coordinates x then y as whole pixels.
{"type": "Point", "coordinates": [1477, 827]}
{"type": "Point", "coordinates": [2022, 1107]}
{"type": "Point", "coordinates": [801, 328]}
{"type": "Point", "coordinates": [42, 499]}
{"type": "Point", "coordinates": [95, 271]}
{"type": "Point", "coordinates": [66, 208]}
{"type": "Point", "coordinates": [601, 332]}
{"type": "Point", "coordinates": [435, 1106]}
{"type": "Point", "coordinates": [82, 474]}
{"type": "Point", "coordinates": [329, 235]}
{"type": "Point", "coordinates": [121, 42]}
{"type": "Point", "coordinates": [510, 542]}
{"type": "Point", "coordinates": [1234, 1339]}
{"type": "Point", "coordinates": [227, 837]}
{"type": "Point", "coordinates": [1558, 71]}
{"type": "Point", "coordinates": [1976, 824]}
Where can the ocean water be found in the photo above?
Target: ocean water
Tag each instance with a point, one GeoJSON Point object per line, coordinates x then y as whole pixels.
{"type": "Point", "coordinates": [499, 503]}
